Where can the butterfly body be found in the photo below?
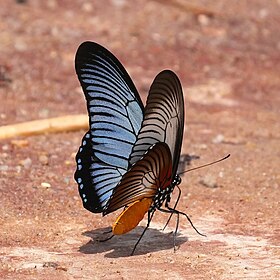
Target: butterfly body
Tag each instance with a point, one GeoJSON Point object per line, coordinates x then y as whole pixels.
{"type": "Point", "coordinates": [129, 156]}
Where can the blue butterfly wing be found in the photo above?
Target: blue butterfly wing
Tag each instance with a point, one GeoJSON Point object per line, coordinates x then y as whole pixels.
{"type": "Point", "coordinates": [115, 116]}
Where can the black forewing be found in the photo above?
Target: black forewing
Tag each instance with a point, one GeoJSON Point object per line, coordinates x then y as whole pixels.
{"type": "Point", "coordinates": [163, 118]}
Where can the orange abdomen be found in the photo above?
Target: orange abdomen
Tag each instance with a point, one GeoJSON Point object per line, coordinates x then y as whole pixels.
{"type": "Point", "coordinates": [131, 216]}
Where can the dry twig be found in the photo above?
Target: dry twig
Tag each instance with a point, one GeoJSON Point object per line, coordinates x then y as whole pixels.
{"type": "Point", "coordinates": [53, 125]}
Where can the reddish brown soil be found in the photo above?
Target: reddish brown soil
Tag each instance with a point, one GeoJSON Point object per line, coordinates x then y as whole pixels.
{"type": "Point", "coordinates": [229, 65]}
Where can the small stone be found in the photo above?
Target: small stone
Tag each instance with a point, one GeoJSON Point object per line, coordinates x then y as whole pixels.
{"type": "Point", "coordinates": [4, 168]}
{"type": "Point", "coordinates": [52, 4]}
{"type": "Point", "coordinates": [218, 139]}
{"type": "Point", "coordinates": [18, 168]}
{"type": "Point", "coordinates": [118, 3]}
{"type": "Point", "coordinates": [234, 141]}
{"type": "Point", "coordinates": [44, 159]}
{"type": "Point", "coordinates": [44, 113]}
{"type": "Point", "coordinates": [209, 181]}
{"type": "Point", "coordinates": [5, 147]}
{"type": "Point", "coordinates": [20, 45]}
{"type": "Point", "coordinates": [202, 146]}
{"type": "Point", "coordinates": [45, 185]}
{"type": "Point", "coordinates": [263, 13]}
{"type": "Point", "coordinates": [203, 20]}
{"type": "Point", "coordinates": [68, 162]}
{"type": "Point", "coordinates": [26, 163]}
{"type": "Point", "coordinates": [87, 7]}
{"type": "Point", "coordinates": [67, 180]}
{"type": "Point", "coordinates": [4, 155]}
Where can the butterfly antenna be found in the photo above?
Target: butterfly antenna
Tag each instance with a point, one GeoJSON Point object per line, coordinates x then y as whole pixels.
{"type": "Point", "coordinates": [204, 165]}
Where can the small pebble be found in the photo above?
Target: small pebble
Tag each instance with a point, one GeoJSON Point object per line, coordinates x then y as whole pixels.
{"type": "Point", "coordinates": [203, 20]}
{"type": "Point", "coordinates": [239, 169]}
{"type": "Point", "coordinates": [26, 163]}
{"type": "Point", "coordinates": [263, 13]}
{"type": "Point", "coordinates": [4, 168]}
{"type": "Point", "coordinates": [18, 168]}
{"type": "Point", "coordinates": [118, 3]}
{"type": "Point", "coordinates": [20, 45]}
{"type": "Point", "coordinates": [44, 113]}
{"type": "Point", "coordinates": [202, 146]}
{"type": "Point", "coordinates": [87, 7]}
{"type": "Point", "coordinates": [209, 181]}
{"type": "Point", "coordinates": [218, 139]}
{"type": "Point", "coordinates": [44, 159]}
{"type": "Point", "coordinates": [67, 180]}
{"type": "Point", "coordinates": [5, 147]}
{"type": "Point", "coordinates": [45, 185]}
{"type": "Point", "coordinates": [4, 155]}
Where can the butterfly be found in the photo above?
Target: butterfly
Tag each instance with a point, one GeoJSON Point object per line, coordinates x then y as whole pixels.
{"type": "Point", "coordinates": [129, 157]}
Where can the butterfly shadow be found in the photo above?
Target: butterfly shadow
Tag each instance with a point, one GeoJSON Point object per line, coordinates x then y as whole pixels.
{"type": "Point", "coordinates": [121, 246]}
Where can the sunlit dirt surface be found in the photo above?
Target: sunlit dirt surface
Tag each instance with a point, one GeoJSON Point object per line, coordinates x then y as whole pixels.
{"type": "Point", "coordinates": [227, 57]}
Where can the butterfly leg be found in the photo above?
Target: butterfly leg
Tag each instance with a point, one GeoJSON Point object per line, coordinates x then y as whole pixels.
{"type": "Point", "coordinates": [108, 238]}
{"type": "Point", "coordinates": [150, 216]}
{"type": "Point", "coordinates": [176, 230]}
{"type": "Point", "coordinates": [109, 231]}
{"type": "Point", "coordinates": [167, 205]}
{"type": "Point", "coordinates": [172, 210]}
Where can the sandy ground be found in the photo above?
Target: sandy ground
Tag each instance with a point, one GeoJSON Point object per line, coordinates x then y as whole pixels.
{"type": "Point", "coordinates": [227, 57]}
